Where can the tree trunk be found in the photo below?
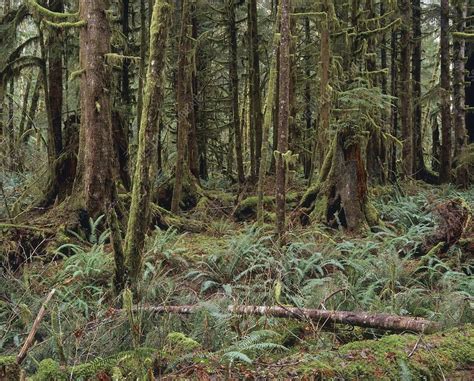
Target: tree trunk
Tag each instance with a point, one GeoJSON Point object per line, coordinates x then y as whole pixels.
{"type": "Point", "coordinates": [141, 193]}
{"type": "Point", "coordinates": [392, 166]}
{"type": "Point", "coordinates": [308, 114]}
{"type": "Point", "coordinates": [445, 164]}
{"type": "Point", "coordinates": [255, 96]}
{"type": "Point", "coordinates": [94, 179]}
{"type": "Point", "coordinates": [339, 198]}
{"type": "Point", "coordinates": [359, 319]}
{"type": "Point", "coordinates": [193, 150]}
{"type": "Point", "coordinates": [419, 168]}
{"type": "Point", "coordinates": [459, 49]}
{"type": "Point", "coordinates": [184, 104]}
{"type": "Point", "coordinates": [325, 95]}
{"type": "Point", "coordinates": [55, 79]}
{"type": "Point", "coordinates": [406, 101]}
{"type": "Point", "coordinates": [142, 68]}
{"type": "Point", "coordinates": [33, 107]}
{"type": "Point", "coordinates": [267, 121]}
{"type": "Point", "coordinates": [234, 90]}
{"type": "Point", "coordinates": [284, 115]}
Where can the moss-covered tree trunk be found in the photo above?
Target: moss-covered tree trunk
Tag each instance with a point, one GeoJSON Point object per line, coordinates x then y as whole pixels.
{"type": "Point", "coordinates": [254, 86]}
{"type": "Point", "coordinates": [324, 90]}
{"type": "Point", "coordinates": [184, 104]}
{"type": "Point", "coordinates": [419, 167]}
{"type": "Point", "coordinates": [94, 180]}
{"type": "Point", "coordinates": [339, 197]}
{"type": "Point", "coordinates": [392, 147]}
{"type": "Point", "coordinates": [234, 90]}
{"type": "Point", "coordinates": [267, 121]}
{"type": "Point", "coordinates": [445, 159]}
{"type": "Point", "coordinates": [142, 181]}
{"type": "Point", "coordinates": [459, 67]}
{"type": "Point", "coordinates": [284, 116]}
{"type": "Point", "coordinates": [406, 101]}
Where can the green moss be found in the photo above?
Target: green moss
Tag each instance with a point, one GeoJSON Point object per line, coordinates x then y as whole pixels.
{"type": "Point", "coordinates": [388, 358]}
{"type": "Point", "coordinates": [9, 369]}
{"type": "Point", "coordinates": [320, 209]}
{"type": "Point", "coordinates": [371, 214]}
{"type": "Point", "coordinates": [178, 343]}
{"type": "Point", "coordinates": [130, 365]}
{"type": "Point", "coordinates": [7, 360]}
{"type": "Point", "coordinates": [50, 370]}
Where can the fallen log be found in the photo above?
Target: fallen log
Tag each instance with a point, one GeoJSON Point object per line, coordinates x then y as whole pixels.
{"type": "Point", "coordinates": [360, 319]}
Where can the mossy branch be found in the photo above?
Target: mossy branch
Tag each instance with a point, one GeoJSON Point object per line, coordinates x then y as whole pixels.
{"type": "Point", "coordinates": [65, 24]}
{"type": "Point", "coordinates": [38, 9]}
{"type": "Point", "coordinates": [76, 74]}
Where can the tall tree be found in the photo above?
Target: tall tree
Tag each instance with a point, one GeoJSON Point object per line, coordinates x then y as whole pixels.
{"type": "Point", "coordinates": [184, 104]}
{"type": "Point", "coordinates": [139, 217]}
{"type": "Point", "coordinates": [284, 116]}
{"type": "Point", "coordinates": [234, 89]}
{"type": "Point", "coordinates": [406, 101]}
{"type": "Point", "coordinates": [419, 167]}
{"type": "Point", "coordinates": [94, 180]}
{"type": "Point", "coordinates": [459, 67]}
{"type": "Point", "coordinates": [254, 88]}
{"type": "Point", "coordinates": [445, 164]}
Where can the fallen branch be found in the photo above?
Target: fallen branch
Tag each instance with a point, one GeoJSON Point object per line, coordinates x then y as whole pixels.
{"type": "Point", "coordinates": [29, 340]}
{"type": "Point", "coordinates": [360, 319]}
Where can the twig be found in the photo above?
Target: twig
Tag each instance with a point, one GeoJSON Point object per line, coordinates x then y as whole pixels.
{"type": "Point", "coordinates": [415, 347]}
{"type": "Point", "coordinates": [29, 340]}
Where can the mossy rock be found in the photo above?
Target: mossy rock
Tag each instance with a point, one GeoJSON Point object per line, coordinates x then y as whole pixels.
{"type": "Point", "coordinates": [9, 369]}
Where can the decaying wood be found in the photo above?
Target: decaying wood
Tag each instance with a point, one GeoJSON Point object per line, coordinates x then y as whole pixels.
{"type": "Point", "coordinates": [360, 319]}
{"type": "Point", "coordinates": [29, 340]}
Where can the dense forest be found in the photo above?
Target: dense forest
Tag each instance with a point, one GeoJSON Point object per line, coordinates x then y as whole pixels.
{"type": "Point", "coordinates": [236, 189]}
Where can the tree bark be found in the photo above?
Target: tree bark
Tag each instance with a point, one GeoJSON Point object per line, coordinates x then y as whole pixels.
{"type": "Point", "coordinates": [284, 115]}
{"type": "Point", "coordinates": [392, 164]}
{"type": "Point", "coordinates": [406, 101]}
{"type": "Point", "coordinates": [55, 79]}
{"type": "Point", "coordinates": [234, 90]}
{"type": "Point", "coordinates": [184, 104]}
{"type": "Point", "coordinates": [359, 319]}
{"type": "Point", "coordinates": [267, 121]}
{"type": "Point", "coordinates": [94, 179]}
{"type": "Point", "coordinates": [445, 164]}
{"type": "Point", "coordinates": [141, 193]}
{"type": "Point", "coordinates": [255, 96]}
{"type": "Point", "coordinates": [459, 50]}
{"type": "Point", "coordinates": [325, 96]}
{"type": "Point", "coordinates": [419, 168]}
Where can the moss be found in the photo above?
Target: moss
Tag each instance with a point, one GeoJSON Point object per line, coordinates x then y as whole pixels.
{"type": "Point", "coordinates": [50, 370]}
{"type": "Point", "coordinates": [371, 214]}
{"type": "Point", "coordinates": [388, 358]}
{"type": "Point", "coordinates": [9, 369]}
{"type": "Point", "coordinates": [320, 209]}
{"type": "Point", "coordinates": [248, 207]}
{"type": "Point", "coordinates": [178, 343]}
{"type": "Point", "coordinates": [130, 365]}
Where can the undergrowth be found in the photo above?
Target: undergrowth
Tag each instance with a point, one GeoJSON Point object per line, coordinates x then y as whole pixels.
{"type": "Point", "coordinates": [319, 268]}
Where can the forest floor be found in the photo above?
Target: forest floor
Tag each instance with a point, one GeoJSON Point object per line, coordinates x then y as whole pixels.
{"type": "Point", "coordinates": [84, 336]}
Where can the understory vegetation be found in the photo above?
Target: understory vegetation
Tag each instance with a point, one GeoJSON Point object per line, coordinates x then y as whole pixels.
{"type": "Point", "coordinates": [240, 263]}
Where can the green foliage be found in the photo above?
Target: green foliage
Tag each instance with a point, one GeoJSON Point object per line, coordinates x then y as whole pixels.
{"type": "Point", "coordinates": [252, 345]}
